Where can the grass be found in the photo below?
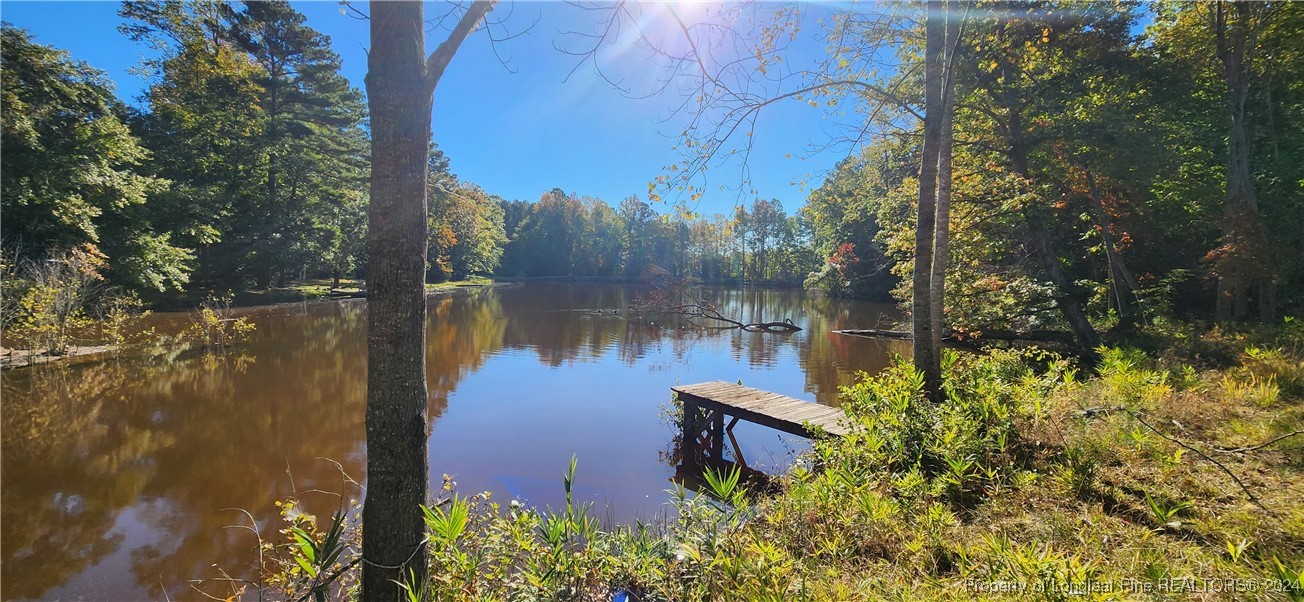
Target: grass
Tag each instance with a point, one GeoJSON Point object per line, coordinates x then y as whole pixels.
{"type": "Point", "coordinates": [1026, 482]}
{"type": "Point", "coordinates": [452, 284]}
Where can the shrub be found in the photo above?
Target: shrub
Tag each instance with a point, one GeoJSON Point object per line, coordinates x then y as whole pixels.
{"type": "Point", "coordinates": [119, 317]}
{"type": "Point", "coordinates": [1274, 366]}
{"type": "Point", "coordinates": [215, 325]}
{"type": "Point", "coordinates": [52, 307]}
{"type": "Point", "coordinates": [966, 444]}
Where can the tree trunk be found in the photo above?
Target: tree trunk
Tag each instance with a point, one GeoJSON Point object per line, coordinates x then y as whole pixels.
{"type": "Point", "coordinates": [1040, 246]}
{"type": "Point", "coordinates": [942, 223]}
{"type": "Point", "coordinates": [1038, 235]}
{"type": "Point", "coordinates": [927, 356]}
{"type": "Point", "coordinates": [1039, 243]}
{"type": "Point", "coordinates": [401, 83]}
{"type": "Point", "coordinates": [400, 105]}
{"type": "Point", "coordinates": [1242, 264]}
{"type": "Point", "coordinates": [1120, 277]}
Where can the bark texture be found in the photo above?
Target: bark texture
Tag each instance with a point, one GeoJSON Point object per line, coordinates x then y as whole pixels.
{"type": "Point", "coordinates": [401, 83]}
{"type": "Point", "coordinates": [942, 223]}
{"type": "Point", "coordinates": [400, 103]}
{"type": "Point", "coordinates": [927, 352]}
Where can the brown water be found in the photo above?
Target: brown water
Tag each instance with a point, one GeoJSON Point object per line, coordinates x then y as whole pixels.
{"type": "Point", "coordinates": [120, 476]}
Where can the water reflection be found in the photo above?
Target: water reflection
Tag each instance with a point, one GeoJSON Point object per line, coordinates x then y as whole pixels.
{"type": "Point", "coordinates": [119, 475]}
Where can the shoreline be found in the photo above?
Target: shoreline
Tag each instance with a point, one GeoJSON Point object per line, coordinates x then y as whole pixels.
{"type": "Point", "coordinates": [24, 358]}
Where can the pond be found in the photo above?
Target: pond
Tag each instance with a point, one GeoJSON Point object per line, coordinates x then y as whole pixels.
{"type": "Point", "coordinates": [123, 476]}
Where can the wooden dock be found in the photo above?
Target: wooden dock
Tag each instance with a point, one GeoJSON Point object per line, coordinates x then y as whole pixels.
{"type": "Point", "coordinates": [706, 405]}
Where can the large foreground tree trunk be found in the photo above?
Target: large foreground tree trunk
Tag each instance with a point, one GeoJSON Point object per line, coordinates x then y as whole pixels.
{"type": "Point", "coordinates": [927, 349]}
{"type": "Point", "coordinates": [393, 529]}
{"type": "Point", "coordinates": [400, 86]}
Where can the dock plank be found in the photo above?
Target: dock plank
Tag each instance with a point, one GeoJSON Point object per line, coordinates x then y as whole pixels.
{"type": "Point", "coordinates": [766, 408]}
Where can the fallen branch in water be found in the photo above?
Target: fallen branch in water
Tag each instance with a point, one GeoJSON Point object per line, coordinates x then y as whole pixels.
{"type": "Point", "coordinates": [701, 308]}
{"type": "Point", "coordinates": [668, 295]}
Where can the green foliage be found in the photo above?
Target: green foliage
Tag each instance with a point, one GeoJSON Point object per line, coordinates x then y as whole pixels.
{"type": "Point", "coordinates": [1292, 579]}
{"type": "Point", "coordinates": [1274, 367]}
{"type": "Point", "coordinates": [1079, 471]}
{"type": "Point", "coordinates": [215, 325]}
{"type": "Point", "coordinates": [72, 169]}
{"type": "Point", "coordinates": [1114, 145]}
{"type": "Point", "coordinates": [309, 563]}
{"type": "Point", "coordinates": [914, 504]}
{"type": "Point", "coordinates": [261, 135]}
{"type": "Point", "coordinates": [55, 295]}
{"type": "Point", "coordinates": [722, 484]}
{"type": "Point", "coordinates": [844, 214]}
{"type": "Point", "coordinates": [964, 446]}
{"type": "Point", "coordinates": [1165, 513]}
{"type": "Point", "coordinates": [447, 525]}
{"type": "Point", "coordinates": [567, 235]}
{"type": "Point", "coordinates": [1237, 549]}
{"type": "Point", "coordinates": [467, 235]}
{"type": "Point", "coordinates": [1126, 379]}
{"type": "Point", "coordinates": [118, 317]}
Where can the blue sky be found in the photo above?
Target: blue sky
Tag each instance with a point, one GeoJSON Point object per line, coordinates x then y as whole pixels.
{"type": "Point", "coordinates": [517, 134]}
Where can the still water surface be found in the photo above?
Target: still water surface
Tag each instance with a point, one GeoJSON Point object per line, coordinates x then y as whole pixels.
{"type": "Point", "coordinates": [120, 476]}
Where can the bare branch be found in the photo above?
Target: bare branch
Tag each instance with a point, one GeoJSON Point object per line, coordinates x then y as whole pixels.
{"type": "Point", "coordinates": [347, 8]}
{"type": "Point", "coordinates": [1241, 450]}
{"type": "Point", "coordinates": [1253, 498]}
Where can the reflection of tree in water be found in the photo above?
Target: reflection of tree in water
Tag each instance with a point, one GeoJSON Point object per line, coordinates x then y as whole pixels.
{"type": "Point", "coordinates": [54, 526]}
{"type": "Point", "coordinates": [831, 360]}
{"type": "Point", "coordinates": [565, 323]}
{"type": "Point", "coordinates": [178, 441]}
{"type": "Point", "coordinates": [461, 334]}
{"type": "Point", "coordinates": [172, 442]}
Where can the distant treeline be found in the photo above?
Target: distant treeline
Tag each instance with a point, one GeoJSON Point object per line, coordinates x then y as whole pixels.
{"type": "Point", "coordinates": [564, 235]}
{"type": "Point", "coordinates": [248, 164]}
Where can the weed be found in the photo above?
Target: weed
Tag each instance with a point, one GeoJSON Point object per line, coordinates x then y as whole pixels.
{"type": "Point", "coordinates": [1165, 513]}
{"type": "Point", "coordinates": [1249, 390]}
{"type": "Point", "coordinates": [1237, 549]}
{"type": "Point", "coordinates": [52, 307]}
{"type": "Point", "coordinates": [1127, 380]}
{"type": "Point", "coordinates": [1078, 472]}
{"type": "Point", "coordinates": [1292, 580]}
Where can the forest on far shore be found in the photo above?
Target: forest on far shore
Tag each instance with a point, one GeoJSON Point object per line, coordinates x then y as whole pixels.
{"type": "Point", "coordinates": [1093, 167]}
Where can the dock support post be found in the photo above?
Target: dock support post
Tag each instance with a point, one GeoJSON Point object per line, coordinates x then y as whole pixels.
{"type": "Point", "coordinates": [717, 435]}
{"type": "Point", "coordinates": [695, 422]}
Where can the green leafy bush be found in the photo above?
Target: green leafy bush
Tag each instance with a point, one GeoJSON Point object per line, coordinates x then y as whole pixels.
{"type": "Point", "coordinates": [216, 326]}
